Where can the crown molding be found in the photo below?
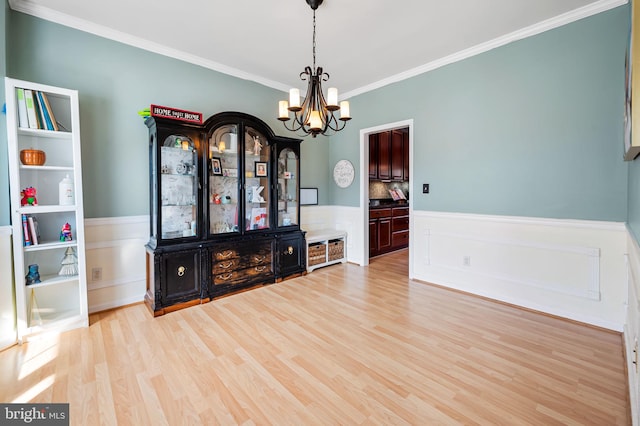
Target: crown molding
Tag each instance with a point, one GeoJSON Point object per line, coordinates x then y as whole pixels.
{"type": "Point", "coordinates": [30, 8]}
{"type": "Point", "coordinates": [540, 27]}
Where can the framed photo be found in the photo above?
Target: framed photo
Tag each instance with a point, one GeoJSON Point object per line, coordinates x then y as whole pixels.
{"type": "Point", "coordinates": [308, 196]}
{"type": "Point", "coordinates": [261, 169]}
{"type": "Point", "coordinates": [216, 166]}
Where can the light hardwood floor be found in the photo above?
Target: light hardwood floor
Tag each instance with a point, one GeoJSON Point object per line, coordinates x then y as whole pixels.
{"type": "Point", "coordinates": [343, 345]}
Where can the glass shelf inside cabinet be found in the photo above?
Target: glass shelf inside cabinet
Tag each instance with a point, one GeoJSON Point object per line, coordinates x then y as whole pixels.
{"type": "Point", "coordinates": [178, 187]}
{"type": "Point", "coordinates": [287, 188]}
{"type": "Point", "coordinates": [256, 172]}
{"type": "Point", "coordinates": [223, 165]}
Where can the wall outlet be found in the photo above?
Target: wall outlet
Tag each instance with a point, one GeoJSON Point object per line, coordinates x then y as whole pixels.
{"type": "Point", "coordinates": [466, 260]}
{"type": "Point", "coordinates": [96, 274]}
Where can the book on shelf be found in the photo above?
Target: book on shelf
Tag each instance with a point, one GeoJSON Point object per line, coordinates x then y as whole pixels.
{"type": "Point", "coordinates": [22, 108]}
{"type": "Point", "coordinates": [44, 114]}
{"type": "Point", "coordinates": [50, 111]}
{"type": "Point", "coordinates": [36, 106]}
{"type": "Point", "coordinates": [33, 230]}
{"type": "Point", "coordinates": [25, 231]}
{"type": "Point", "coordinates": [31, 109]}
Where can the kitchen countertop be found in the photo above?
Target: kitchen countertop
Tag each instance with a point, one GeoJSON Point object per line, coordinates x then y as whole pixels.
{"type": "Point", "coordinates": [384, 203]}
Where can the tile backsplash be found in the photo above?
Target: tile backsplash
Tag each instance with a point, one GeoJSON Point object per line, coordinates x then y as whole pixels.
{"type": "Point", "coordinates": [380, 190]}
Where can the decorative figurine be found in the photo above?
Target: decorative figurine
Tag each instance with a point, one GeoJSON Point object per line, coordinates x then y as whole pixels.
{"type": "Point", "coordinates": [28, 197]}
{"type": "Point", "coordinates": [69, 263]}
{"type": "Point", "coordinates": [257, 146]}
{"type": "Point", "coordinates": [65, 234]}
{"type": "Point", "coordinates": [33, 277]}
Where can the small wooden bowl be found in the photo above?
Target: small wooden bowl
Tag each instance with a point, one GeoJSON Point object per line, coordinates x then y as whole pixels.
{"type": "Point", "coordinates": [32, 157]}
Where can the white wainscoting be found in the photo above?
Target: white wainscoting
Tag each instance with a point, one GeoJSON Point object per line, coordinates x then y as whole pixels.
{"type": "Point", "coordinates": [116, 245]}
{"type": "Point", "coordinates": [632, 325]}
{"type": "Point", "coordinates": [344, 218]}
{"type": "Point", "coordinates": [570, 268]}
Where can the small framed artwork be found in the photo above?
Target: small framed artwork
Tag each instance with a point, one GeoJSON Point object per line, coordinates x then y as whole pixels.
{"type": "Point", "coordinates": [216, 167]}
{"type": "Point", "coordinates": [261, 169]}
{"type": "Point", "coordinates": [308, 196]}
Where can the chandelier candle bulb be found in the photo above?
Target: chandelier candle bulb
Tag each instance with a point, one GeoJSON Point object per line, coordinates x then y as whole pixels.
{"type": "Point", "coordinates": [344, 111]}
{"type": "Point", "coordinates": [314, 120]}
{"type": "Point", "coordinates": [294, 99]}
{"type": "Point", "coordinates": [283, 108]}
{"type": "Point", "coordinates": [332, 96]}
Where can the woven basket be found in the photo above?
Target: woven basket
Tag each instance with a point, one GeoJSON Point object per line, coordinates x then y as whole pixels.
{"type": "Point", "coordinates": [336, 249]}
{"type": "Point", "coordinates": [317, 253]}
{"type": "Point", "coordinates": [32, 157]}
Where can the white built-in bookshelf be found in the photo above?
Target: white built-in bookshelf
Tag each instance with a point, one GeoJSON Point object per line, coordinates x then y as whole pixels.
{"type": "Point", "coordinates": [57, 301]}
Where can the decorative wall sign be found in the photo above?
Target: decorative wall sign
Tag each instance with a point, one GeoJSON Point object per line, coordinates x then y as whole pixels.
{"type": "Point", "coordinates": [343, 173]}
{"type": "Point", "coordinates": [176, 114]}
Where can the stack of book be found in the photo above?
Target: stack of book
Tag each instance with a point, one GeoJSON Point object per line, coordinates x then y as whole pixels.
{"type": "Point", "coordinates": [30, 231]}
{"type": "Point", "coordinates": [34, 110]}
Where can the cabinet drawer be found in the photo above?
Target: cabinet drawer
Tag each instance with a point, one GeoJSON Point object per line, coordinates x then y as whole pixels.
{"type": "Point", "coordinates": [242, 276]}
{"type": "Point", "coordinates": [225, 254]}
{"type": "Point", "coordinates": [378, 213]}
{"type": "Point", "coordinates": [228, 265]}
{"type": "Point", "coordinates": [400, 211]}
{"type": "Point", "coordinates": [400, 224]}
{"type": "Point", "coordinates": [260, 258]}
{"type": "Point", "coordinates": [400, 239]}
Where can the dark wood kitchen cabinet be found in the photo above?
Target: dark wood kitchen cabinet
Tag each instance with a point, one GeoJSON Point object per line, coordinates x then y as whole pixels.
{"type": "Point", "coordinates": [380, 237]}
{"type": "Point", "coordinates": [388, 229]}
{"type": "Point", "coordinates": [389, 155]}
{"type": "Point", "coordinates": [224, 203]}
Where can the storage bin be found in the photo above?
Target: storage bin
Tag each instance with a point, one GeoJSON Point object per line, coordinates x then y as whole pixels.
{"type": "Point", "coordinates": [336, 249]}
{"type": "Point", "coordinates": [317, 253]}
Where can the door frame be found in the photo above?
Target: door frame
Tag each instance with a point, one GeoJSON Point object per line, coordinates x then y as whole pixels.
{"type": "Point", "coordinates": [364, 183]}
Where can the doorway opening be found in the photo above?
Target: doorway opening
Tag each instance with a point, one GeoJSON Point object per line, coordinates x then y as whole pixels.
{"type": "Point", "coordinates": [377, 191]}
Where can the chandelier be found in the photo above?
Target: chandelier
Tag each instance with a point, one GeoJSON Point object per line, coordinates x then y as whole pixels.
{"type": "Point", "coordinates": [316, 114]}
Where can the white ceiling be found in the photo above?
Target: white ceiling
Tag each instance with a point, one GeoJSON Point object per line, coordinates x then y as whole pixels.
{"type": "Point", "coordinates": [362, 44]}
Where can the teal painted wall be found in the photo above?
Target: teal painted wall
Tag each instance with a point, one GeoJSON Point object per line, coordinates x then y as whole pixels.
{"type": "Point", "coordinates": [533, 128]}
{"type": "Point", "coordinates": [5, 213]}
{"type": "Point", "coordinates": [115, 81]}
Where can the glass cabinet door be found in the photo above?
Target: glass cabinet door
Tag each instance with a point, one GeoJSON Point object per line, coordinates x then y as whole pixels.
{"type": "Point", "coordinates": [256, 170]}
{"type": "Point", "coordinates": [287, 188]}
{"type": "Point", "coordinates": [223, 165]}
{"type": "Point", "coordinates": [178, 187]}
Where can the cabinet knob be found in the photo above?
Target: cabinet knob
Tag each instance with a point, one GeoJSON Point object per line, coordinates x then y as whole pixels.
{"type": "Point", "coordinates": [181, 270]}
{"type": "Point", "coordinates": [289, 250]}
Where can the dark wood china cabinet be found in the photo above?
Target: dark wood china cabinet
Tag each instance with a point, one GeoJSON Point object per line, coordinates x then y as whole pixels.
{"type": "Point", "coordinates": [224, 209]}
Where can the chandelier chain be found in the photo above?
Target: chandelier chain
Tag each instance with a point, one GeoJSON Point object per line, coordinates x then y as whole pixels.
{"type": "Point", "coordinates": [314, 41]}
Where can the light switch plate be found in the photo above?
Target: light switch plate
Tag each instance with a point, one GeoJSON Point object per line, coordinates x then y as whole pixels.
{"type": "Point", "coordinates": [425, 188]}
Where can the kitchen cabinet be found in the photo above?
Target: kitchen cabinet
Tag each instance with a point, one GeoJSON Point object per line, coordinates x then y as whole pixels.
{"type": "Point", "coordinates": [388, 229]}
{"type": "Point", "coordinates": [380, 219]}
{"type": "Point", "coordinates": [389, 155]}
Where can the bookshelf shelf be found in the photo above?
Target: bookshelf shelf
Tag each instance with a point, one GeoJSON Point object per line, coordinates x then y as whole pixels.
{"type": "Point", "coordinates": [48, 280]}
{"type": "Point", "coordinates": [42, 133]}
{"type": "Point", "coordinates": [56, 303]}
